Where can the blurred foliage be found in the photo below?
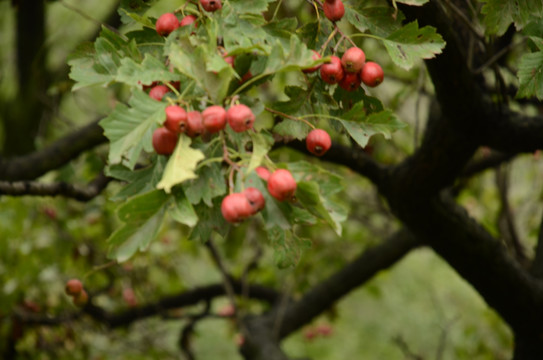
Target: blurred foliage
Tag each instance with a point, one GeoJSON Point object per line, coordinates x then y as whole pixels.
{"type": "Point", "coordinates": [46, 241]}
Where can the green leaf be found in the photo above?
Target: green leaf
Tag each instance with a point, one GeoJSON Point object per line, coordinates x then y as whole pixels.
{"type": "Point", "coordinates": [384, 122]}
{"type": "Point", "coordinates": [181, 165]}
{"type": "Point", "coordinates": [308, 194]}
{"type": "Point", "coordinates": [209, 184]}
{"type": "Point", "coordinates": [151, 69]}
{"type": "Point", "coordinates": [256, 7]}
{"type": "Point", "coordinates": [139, 181]}
{"type": "Point", "coordinates": [182, 211]}
{"type": "Point", "coordinates": [210, 220]}
{"type": "Point", "coordinates": [288, 247]}
{"type": "Point", "coordinates": [530, 75]}
{"type": "Point", "coordinates": [499, 14]}
{"type": "Point", "coordinates": [129, 128]}
{"type": "Point", "coordinates": [409, 44]}
{"type": "Point", "coordinates": [98, 65]}
{"type": "Point", "coordinates": [142, 217]}
{"type": "Point", "coordinates": [295, 128]}
{"type": "Point", "coordinates": [413, 2]}
{"type": "Point", "coordinates": [378, 21]}
{"type": "Point", "coordinates": [261, 146]}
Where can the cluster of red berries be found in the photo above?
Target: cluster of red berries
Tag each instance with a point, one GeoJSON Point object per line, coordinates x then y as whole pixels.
{"type": "Point", "coordinates": [194, 123]}
{"type": "Point", "coordinates": [349, 71]}
{"type": "Point", "coordinates": [74, 288]}
{"type": "Point", "coordinates": [237, 207]}
{"type": "Point", "coordinates": [168, 22]}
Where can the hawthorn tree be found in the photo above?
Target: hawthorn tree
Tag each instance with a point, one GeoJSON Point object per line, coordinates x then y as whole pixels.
{"type": "Point", "coordinates": [218, 137]}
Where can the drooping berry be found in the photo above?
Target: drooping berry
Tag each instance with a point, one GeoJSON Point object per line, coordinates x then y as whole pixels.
{"type": "Point", "coordinates": [351, 81]}
{"type": "Point", "coordinates": [187, 20]}
{"type": "Point", "coordinates": [255, 198]}
{"type": "Point", "coordinates": [315, 56]}
{"type": "Point", "coordinates": [372, 74]}
{"type": "Point", "coordinates": [353, 59]}
{"type": "Point", "coordinates": [81, 298]}
{"type": "Point", "coordinates": [333, 9]}
{"type": "Point", "coordinates": [158, 92]}
{"type": "Point", "coordinates": [166, 23]}
{"type": "Point", "coordinates": [318, 142]}
{"type": "Point", "coordinates": [73, 287]}
{"type": "Point", "coordinates": [263, 173]}
{"type": "Point", "coordinates": [214, 118]}
{"type": "Point", "coordinates": [240, 117]}
{"type": "Point", "coordinates": [281, 185]}
{"type": "Point", "coordinates": [195, 125]}
{"type": "Point", "coordinates": [235, 208]}
{"type": "Point", "coordinates": [211, 5]}
{"type": "Point", "coordinates": [164, 141]}
{"type": "Point", "coordinates": [332, 72]}
{"type": "Point", "coordinates": [176, 119]}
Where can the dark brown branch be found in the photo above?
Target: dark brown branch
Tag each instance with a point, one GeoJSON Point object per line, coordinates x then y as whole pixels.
{"type": "Point", "coordinates": [33, 188]}
{"type": "Point", "coordinates": [52, 157]}
{"type": "Point", "coordinates": [488, 162]}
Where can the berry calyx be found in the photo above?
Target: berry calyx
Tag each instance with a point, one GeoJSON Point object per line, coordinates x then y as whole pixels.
{"type": "Point", "coordinates": [211, 5]}
{"type": "Point", "coordinates": [372, 74]}
{"type": "Point", "coordinates": [263, 173]}
{"type": "Point", "coordinates": [176, 119]}
{"type": "Point", "coordinates": [73, 287]}
{"type": "Point", "coordinates": [351, 81]}
{"type": "Point", "coordinates": [235, 208]}
{"type": "Point", "coordinates": [255, 198]}
{"type": "Point", "coordinates": [214, 118]}
{"type": "Point", "coordinates": [332, 72]}
{"type": "Point", "coordinates": [166, 23]}
{"type": "Point", "coordinates": [318, 142]}
{"type": "Point", "coordinates": [164, 141]}
{"type": "Point", "coordinates": [187, 20]}
{"type": "Point", "coordinates": [281, 185]}
{"type": "Point", "coordinates": [240, 117]}
{"type": "Point", "coordinates": [353, 59]}
{"type": "Point", "coordinates": [158, 92]}
{"type": "Point", "coordinates": [195, 125]}
{"type": "Point", "coordinates": [315, 56]}
{"type": "Point", "coordinates": [333, 9]}
{"type": "Point", "coordinates": [81, 298]}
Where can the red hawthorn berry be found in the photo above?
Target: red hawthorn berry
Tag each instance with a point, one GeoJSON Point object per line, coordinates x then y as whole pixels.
{"type": "Point", "coordinates": [211, 5]}
{"type": "Point", "coordinates": [227, 311]}
{"type": "Point", "coordinates": [214, 118]}
{"type": "Point", "coordinates": [176, 119]}
{"type": "Point", "coordinates": [372, 74]}
{"type": "Point", "coordinates": [73, 287]}
{"type": "Point", "coordinates": [263, 173]}
{"type": "Point", "coordinates": [229, 59]}
{"type": "Point", "coordinates": [164, 141]}
{"type": "Point", "coordinates": [351, 81]}
{"type": "Point", "coordinates": [315, 56]}
{"type": "Point", "coordinates": [281, 185]}
{"type": "Point", "coordinates": [318, 142]}
{"type": "Point", "coordinates": [332, 72]}
{"type": "Point", "coordinates": [195, 125]}
{"type": "Point", "coordinates": [246, 77]}
{"type": "Point", "coordinates": [255, 198]}
{"type": "Point", "coordinates": [166, 23]}
{"type": "Point", "coordinates": [333, 9]}
{"type": "Point", "coordinates": [187, 20]}
{"type": "Point", "coordinates": [353, 59]}
{"type": "Point", "coordinates": [158, 92]}
{"type": "Point", "coordinates": [129, 297]}
{"type": "Point", "coordinates": [81, 298]}
{"type": "Point", "coordinates": [147, 87]}
{"type": "Point", "coordinates": [235, 208]}
{"type": "Point", "coordinates": [240, 117]}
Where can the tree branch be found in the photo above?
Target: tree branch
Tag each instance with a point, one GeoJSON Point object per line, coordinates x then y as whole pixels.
{"type": "Point", "coordinates": [29, 167]}
{"type": "Point", "coordinates": [33, 188]}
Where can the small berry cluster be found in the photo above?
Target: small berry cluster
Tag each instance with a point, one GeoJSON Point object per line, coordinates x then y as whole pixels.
{"type": "Point", "coordinates": [237, 207]}
{"type": "Point", "coordinates": [168, 22]}
{"type": "Point", "coordinates": [349, 71]}
{"type": "Point", "coordinates": [74, 288]}
{"type": "Point", "coordinates": [194, 123]}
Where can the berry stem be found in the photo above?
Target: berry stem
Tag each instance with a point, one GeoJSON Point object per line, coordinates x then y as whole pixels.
{"type": "Point", "coordinates": [332, 34]}
{"type": "Point", "coordinates": [343, 35]}
{"type": "Point", "coordinates": [288, 116]}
